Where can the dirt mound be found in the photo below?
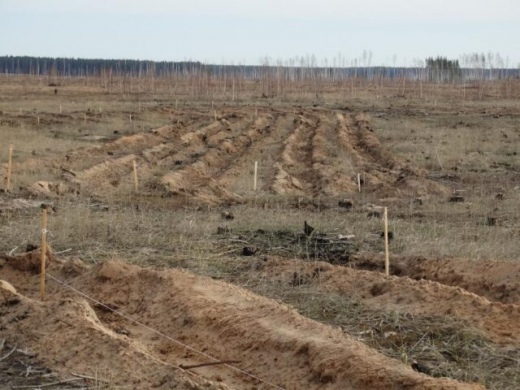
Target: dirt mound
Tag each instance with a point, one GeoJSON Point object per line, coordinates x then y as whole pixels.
{"type": "Point", "coordinates": [500, 322]}
{"type": "Point", "coordinates": [30, 261]}
{"type": "Point", "coordinates": [7, 291]}
{"type": "Point", "coordinates": [73, 340]}
{"type": "Point", "coordinates": [266, 339]}
{"type": "Point", "coordinates": [50, 189]}
{"type": "Point", "coordinates": [497, 281]}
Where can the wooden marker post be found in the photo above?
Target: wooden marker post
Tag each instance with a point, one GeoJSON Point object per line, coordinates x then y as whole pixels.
{"type": "Point", "coordinates": [215, 112]}
{"type": "Point", "coordinates": [256, 176]}
{"type": "Point", "coordinates": [256, 112]}
{"type": "Point", "coordinates": [359, 181]}
{"type": "Point", "coordinates": [38, 119]}
{"type": "Point", "coordinates": [43, 252]}
{"type": "Point", "coordinates": [387, 251]}
{"type": "Point", "coordinates": [9, 168]}
{"type": "Point", "coordinates": [61, 109]}
{"type": "Point", "coordinates": [136, 183]}
{"type": "Point", "coordinates": [130, 117]}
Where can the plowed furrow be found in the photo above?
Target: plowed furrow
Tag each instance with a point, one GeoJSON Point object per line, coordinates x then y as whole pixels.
{"type": "Point", "coordinates": [169, 148]}
{"type": "Point", "coordinates": [199, 179]}
{"type": "Point", "coordinates": [380, 169]}
{"type": "Point", "coordinates": [266, 339]}
{"type": "Point", "coordinates": [137, 143]}
{"type": "Point", "coordinates": [239, 176]}
{"type": "Point", "coordinates": [500, 322]}
{"type": "Point", "coordinates": [328, 163]}
{"type": "Point", "coordinates": [498, 281]}
{"type": "Point", "coordinates": [295, 174]}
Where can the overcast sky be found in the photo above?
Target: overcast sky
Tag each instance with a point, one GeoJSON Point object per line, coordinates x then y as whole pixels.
{"type": "Point", "coordinates": [244, 31]}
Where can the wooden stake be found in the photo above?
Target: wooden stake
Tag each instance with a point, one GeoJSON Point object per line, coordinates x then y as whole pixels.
{"type": "Point", "coordinates": [43, 252]}
{"type": "Point", "coordinates": [387, 251]}
{"type": "Point", "coordinates": [9, 168]}
{"type": "Point", "coordinates": [359, 181]}
{"type": "Point", "coordinates": [256, 112]}
{"type": "Point", "coordinates": [256, 176]}
{"type": "Point", "coordinates": [136, 183]}
{"type": "Point", "coordinates": [38, 119]}
{"type": "Point", "coordinates": [61, 109]}
{"type": "Point", "coordinates": [215, 112]}
{"type": "Point", "coordinates": [130, 117]}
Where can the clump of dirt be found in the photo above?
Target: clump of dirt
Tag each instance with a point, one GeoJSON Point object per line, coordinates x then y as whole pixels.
{"type": "Point", "coordinates": [30, 261]}
{"type": "Point", "coordinates": [50, 189]}
{"type": "Point", "coordinates": [7, 292]}
{"type": "Point", "coordinates": [266, 339]}
{"type": "Point", "coordinates": [496, 280]}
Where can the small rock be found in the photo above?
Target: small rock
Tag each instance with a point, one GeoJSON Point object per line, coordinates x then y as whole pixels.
{"type": "Point", "coordinates": [491, 221]}
{"type": "Point", "coordinates": [374, 214]}
{"type": "Point", "coordinates": [307, 229]}
{"type": "Point", "coordinates": [346, 204]}
{"type": "Point", "coordinates": [416, 366]}
{"type": "Point", "coordinates": [249, 251]}
{"type": "Point", "coordinates": [223, 230]}
{"type": "Point", "coordinates": [122, 331]}
{"type": "Point", "coordinates": [228, 215]}
{"type": "Point", "coordinates": [346, 236]}
{"type": "Point", "coordinates": [390, 235]}
{"type": "Point", "coordinates": [456, 199]}
{"type": "Point", "coordinates": [500, 196]}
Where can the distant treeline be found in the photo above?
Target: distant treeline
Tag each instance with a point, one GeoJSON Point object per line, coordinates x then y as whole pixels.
{"type": "Point", "coordinates": [477, 67]}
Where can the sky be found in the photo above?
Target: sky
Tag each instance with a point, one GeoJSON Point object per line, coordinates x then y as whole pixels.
{"type": "Point", "coordinates": [396, 32]}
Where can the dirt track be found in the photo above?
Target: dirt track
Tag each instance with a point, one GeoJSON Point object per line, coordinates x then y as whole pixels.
{"type": "Point", "coordinates": [271, 341]}
{"type": "Point", "coordinates": [205, 158]}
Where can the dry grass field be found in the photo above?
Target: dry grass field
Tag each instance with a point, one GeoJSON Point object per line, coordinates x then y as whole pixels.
{"type": "Point", "coordinates": [196, 254]}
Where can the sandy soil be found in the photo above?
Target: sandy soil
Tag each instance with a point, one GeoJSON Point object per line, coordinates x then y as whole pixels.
{"type": "Point", "coordinates": [499, 321]}
{"type": "Point", "coordinates": [498, 281]}
{"type": "Point", "coordinates": [71, 333]}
